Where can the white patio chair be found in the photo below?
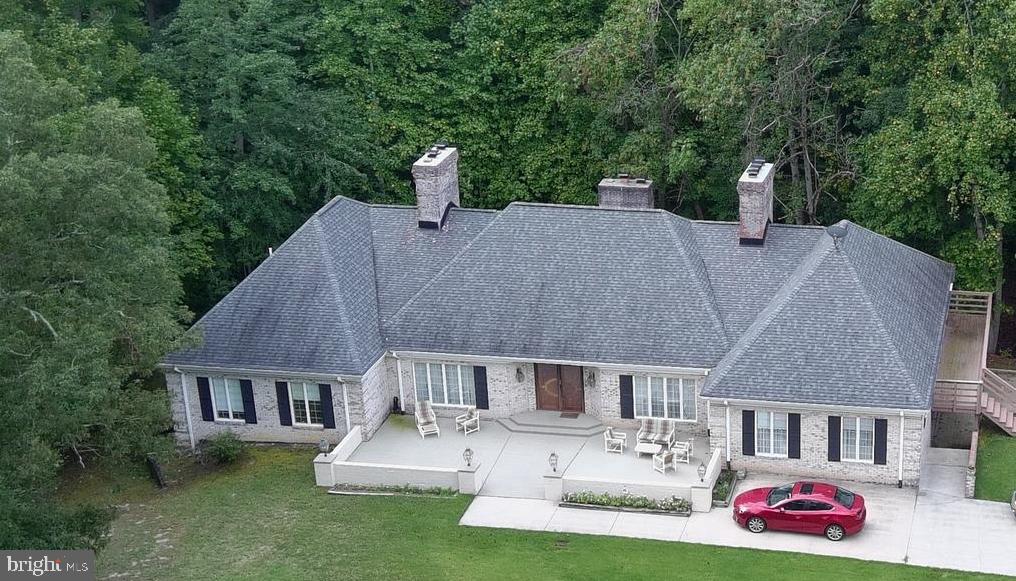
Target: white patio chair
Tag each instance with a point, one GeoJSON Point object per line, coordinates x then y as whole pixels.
{"type": "Point", "coordinates": [664, 460]}
{"type": "Point", "coordinates": [682, 451]}
{"type": "Point", "coordinates": [426, 421]}
{"type": "Point", "coordinates": [614, 441]}
{"type": "Point", "coordinates": [468, 422]}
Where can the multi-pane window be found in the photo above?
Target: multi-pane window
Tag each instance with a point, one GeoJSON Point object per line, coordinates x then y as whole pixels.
{"type": "Point", "coordinates": [770, 433]}
{"type": "Point", "coordinates": [306, 399]}
{"type": "Point", "coordinates": [227, 398]}
{"type": "Point", "coordinates": [858, 440]}
{"type": "Point", "coordinates": [445, 383]}
{"type": "Point", "coordinates": [664, 397]}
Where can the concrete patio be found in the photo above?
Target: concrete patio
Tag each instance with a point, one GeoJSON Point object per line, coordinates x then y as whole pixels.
{"type": "Point", "coordinates": [512, 464]}
{"type": "Point", "coordinates": [399, 443]}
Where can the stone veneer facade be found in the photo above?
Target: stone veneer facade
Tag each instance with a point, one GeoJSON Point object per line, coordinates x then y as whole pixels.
{"type": "Point", "coordinates": [267, 429]}
{"type": "Point", "coordinates": [507, 395]}
{"type": "Point", "coordinates": [370, 400]}
{"type": "Point", "coordinates": [814, 461]}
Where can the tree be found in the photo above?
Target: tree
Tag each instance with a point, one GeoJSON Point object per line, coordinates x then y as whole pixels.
{"type": "Point", "coordinates": [938, 157]}
{"type": "Point", "coordinates": [393, 59]}
{"type": "Point", "coordinates": [280, 145]}
{"type": "Point", "coordinates": [88, 298]}
{"type": "Point", "coordinates": [100, 62]}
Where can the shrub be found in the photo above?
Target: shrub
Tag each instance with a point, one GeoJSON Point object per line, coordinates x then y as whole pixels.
{"type": "Point", "coordinates": [406, 489]}
{"type": "Point", "coordinates": [224, 448]}
{"type": "Point", "coordinates": [723, 484]}
{"type": "Point", "coordinates": [625, 500]}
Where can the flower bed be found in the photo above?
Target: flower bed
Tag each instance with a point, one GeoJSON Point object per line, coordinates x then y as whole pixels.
{"type": "Point", "coordinates": [626, 503]}
{"type": "Point", "coordinates": [391, 490]}
{"type": "Point", "coordinates": [724, 488]}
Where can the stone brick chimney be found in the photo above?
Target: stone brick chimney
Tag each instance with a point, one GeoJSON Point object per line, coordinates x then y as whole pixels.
{"type": "Point", "coordinates": [625, 191]}
{"type": "Point", "coordinates": [436, 176]}
{"type": "Point", "coordinates": [755, 194]}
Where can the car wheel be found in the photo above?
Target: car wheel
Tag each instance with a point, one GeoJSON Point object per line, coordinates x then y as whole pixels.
{"type": "Point", "coordinates": [755, 524]}
{"type": "Point", "coordinates": [835, 532]}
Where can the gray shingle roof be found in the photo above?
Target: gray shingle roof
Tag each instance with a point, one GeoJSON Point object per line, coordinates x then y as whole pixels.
{"type": "Point", "coordinates": [571, 283]}
{"type": "Point", "coordinates": [860, 324]}
{"type": "Point", "coordinates": [793, 320]}
{"type": "Point", "coordinates": [310, 307]}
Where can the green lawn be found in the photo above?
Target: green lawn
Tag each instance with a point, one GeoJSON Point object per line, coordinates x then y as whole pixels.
{"type": "Point", "coordinates": [996, 463]}
{"type": "Point", "coordinates": [265, 519]}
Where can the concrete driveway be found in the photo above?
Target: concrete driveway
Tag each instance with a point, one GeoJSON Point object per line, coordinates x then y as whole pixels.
{"type": "Point", "coordinates": [955, 532]}
{"type": "Point", "coordinates": [933, 527]}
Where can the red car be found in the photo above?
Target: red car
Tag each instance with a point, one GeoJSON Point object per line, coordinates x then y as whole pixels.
{"type": "Point", "coordinates": [803, 507]}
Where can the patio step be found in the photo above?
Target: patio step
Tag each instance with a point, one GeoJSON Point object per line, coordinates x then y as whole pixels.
{"type": "Point", "coordinates": [552, 425]}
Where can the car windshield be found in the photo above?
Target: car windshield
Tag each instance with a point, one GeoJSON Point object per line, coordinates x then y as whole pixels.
{"type": "Point", "coordinates": [779, 494]}
{"type": "Point", "coordinates": [845, 497]}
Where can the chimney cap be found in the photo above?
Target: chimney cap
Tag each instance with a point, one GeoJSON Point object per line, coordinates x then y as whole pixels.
{"type": "Point", "coordinates": [755, 166]}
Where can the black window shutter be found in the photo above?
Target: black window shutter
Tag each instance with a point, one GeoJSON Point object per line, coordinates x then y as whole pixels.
{"type": "Point", "coordinates": [327, 410]}
{"type": "Point", "coordinates": [627, 397]}
{"type": "Point", "coordinates": [881, 440]}
{"type": "Point", "coordinates": [250, 415]}
{"type": "Point", "coordinates": [834, 438]}
{"type": "Point", "coordinates": [480, 385]}
{"type": "Point", "coordinates": [282, 394]}
{"type": "Point", "coordinates": [748, 432]}
{"type": "Point", "coordinates": [793, 435]}
{"type": "Point", "coordinates": [205, 398]}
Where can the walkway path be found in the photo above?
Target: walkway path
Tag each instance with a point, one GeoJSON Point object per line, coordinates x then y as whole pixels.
{"type": "Point", "coordinates": [935, 527]}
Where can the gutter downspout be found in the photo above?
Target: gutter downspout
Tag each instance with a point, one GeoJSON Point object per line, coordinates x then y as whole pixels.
{"type": "Point", "coordinates": [186, 406]}
{"type": "Point", "coordinates": [899, 483]}
{"type": "Point", "coordinates": [398, 372]}
{"type": "Point", "coordinates": [345, 403]}
{"type": "Point", "coordinates": [726, 411]}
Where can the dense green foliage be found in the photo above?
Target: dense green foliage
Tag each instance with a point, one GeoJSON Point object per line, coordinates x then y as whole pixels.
{"type": "Point", "coordinates": [201, 529]}
{"type": "Point", "coordinates": [88, 296]}
{"type": "Point", "coordinates": [152, 152]}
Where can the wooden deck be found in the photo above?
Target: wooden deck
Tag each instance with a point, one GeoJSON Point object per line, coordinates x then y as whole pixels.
{"type": "Point", "coordinates": [964, 353]}
{"type": "Point", "coordinates": [964, 347]}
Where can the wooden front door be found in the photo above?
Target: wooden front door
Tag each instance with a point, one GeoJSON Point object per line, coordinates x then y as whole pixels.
{"type": "Point", "coordinates": [559, 388]}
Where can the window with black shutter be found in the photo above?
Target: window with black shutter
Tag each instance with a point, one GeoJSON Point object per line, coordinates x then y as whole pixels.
{"type": "Point", "coordinates": [748, 432]}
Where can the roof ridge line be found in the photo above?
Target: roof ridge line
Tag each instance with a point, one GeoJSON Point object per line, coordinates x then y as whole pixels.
{"type": "Point", "coordinates": [336, 294]}
{"type": "Point", "coordinates": [246, 278]}
{"type": "Point", "coordinates": [710, 296]}
{"type": "Point", "coordinates": [395, 316]}
{"type": "Point", "coordinates": [775, 306]}
{"type": "Point", "coordinates": [590, 207]}
{"type": "Point", "coordinates": [898, 243]}
{"type": "Point", "coordinates": [374, 269]}
{"type": "Point", "coordinates": [881, 327]}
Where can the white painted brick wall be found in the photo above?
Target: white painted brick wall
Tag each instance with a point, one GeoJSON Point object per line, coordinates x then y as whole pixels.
{"type": "Point", "coordinates": [505, 393]}
{"type": "Point", "coordinates": [268, 428]}
{"type": "Point", "coordinates": [814, 461]}
{"type": "Point", "coordinates": [609, 383]}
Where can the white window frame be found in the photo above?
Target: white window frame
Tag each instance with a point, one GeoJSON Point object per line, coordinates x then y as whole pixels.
{"type": "Point", "coordinates": [444, 383]}
{"type": "Point", "coordinates": [229, 401]}
{"type": "Point", "coordinates": [649, 400]}
{"type": "Point", "coordinates": [772, 434]}
{"type": "Point", "coordinates": [306, 403]}
{"type": "Point", "coordinates": [857, 440]}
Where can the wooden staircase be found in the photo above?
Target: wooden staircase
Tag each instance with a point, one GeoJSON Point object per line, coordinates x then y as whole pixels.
{"type": "Point", "coordinates": [998, 401]}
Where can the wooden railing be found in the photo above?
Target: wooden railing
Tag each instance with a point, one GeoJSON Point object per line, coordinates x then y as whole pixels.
{"type": "Point", "coordinates": [957, 396]}
{"type": "Point", "coordinates": [970, 302]}
{"type": "Point", "coordinates": [1000, 389]}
